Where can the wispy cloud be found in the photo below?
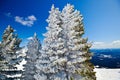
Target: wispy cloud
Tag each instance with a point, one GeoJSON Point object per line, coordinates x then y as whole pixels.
{"type": "Point", "coordinates": [29, 38]}
{"type": "Point", "coordinates": [27, 21]}
{"type": "Point", "coordinates": [8, 14]}
{"type": "Point", "coordinates": [105, 56]}
{"type": "Point", "coordinates": [113, 44]}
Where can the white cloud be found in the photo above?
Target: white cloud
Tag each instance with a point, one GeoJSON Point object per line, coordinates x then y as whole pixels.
{"type": "Point", "coordinates": [116, 42]}
{"type": "Point", "coordinates": [28, 21]}
{"type": "Point", "coordinates": [113, 44]}
{"type": "Point", "coordinates": [99, 43]}
{"type": "Point", "coordinates": [29, 38]}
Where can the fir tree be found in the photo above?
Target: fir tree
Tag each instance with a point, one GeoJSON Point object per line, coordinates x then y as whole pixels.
{"type": "Point", "coordinates": [32, 55]}
{"type": "Point", "coordinates": [78, 66]}
{"type": "Point", "coordinates": [2, 76]}
{"type": "Point", "coordinates": [9, 47]}
{"type": "Point", "coordinates": [53, 60]}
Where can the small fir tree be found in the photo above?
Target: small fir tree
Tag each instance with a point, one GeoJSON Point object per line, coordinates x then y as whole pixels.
{"type": "Point", "coordinates": [32, 55]}
{"type": "Point", "coordinates": [9, 47]}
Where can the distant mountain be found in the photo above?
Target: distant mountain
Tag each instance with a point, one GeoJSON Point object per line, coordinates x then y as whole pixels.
{"type": "Point", "coordinates": [109, 58]}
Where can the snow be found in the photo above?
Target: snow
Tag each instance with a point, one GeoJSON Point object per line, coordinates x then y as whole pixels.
{"type": "Point", "coordinates": [20, 67]}
{"type": "Point", "coordinates": [107, 74]}
{"type": "Point", "coordinates": [17, 75]}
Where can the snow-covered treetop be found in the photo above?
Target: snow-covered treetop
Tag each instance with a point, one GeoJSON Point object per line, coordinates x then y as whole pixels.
{"type": "Point", "coordinates": [34, 47]}
{"type": "Point", "coordinates": [34, 43]}
{"type": "Point", "coordinates": [35, 35]}
{"type": "Point", "coordinates": [53, 27]}
{"type": "Point", "coordinates": [68, 8]}
{"type": "Point", "coordinates": [10, 41]}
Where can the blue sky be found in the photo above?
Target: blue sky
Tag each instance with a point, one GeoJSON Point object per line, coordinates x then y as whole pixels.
{"type": "Point", "coordinates": [101, 18]}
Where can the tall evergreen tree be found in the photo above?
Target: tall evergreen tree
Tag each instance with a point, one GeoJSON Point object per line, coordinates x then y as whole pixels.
{"type": "Point", "coordinates": [9, 47]}
{"type": "Point", "coordinates": [32, 55]}
{"type": "Point", "coordinates": [52, 64]}
{"type": "Point", "coordinates": [78, 64]}
{"type": "Point", "coordinates": [65, 54]}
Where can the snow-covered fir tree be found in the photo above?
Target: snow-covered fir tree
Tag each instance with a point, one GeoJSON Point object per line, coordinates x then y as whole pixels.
{"type": "Point", "coordinates": [33, 52]}
{"type": "Point", "coordinates": [9, 47]}
{"type": "Point", "coordinates": [1, 65]}
{"type": "Point", "coordinates": [2, 76]}
{"type": "Point", "coordinates": [78, 54]}
{"type": "Point", "coordinates": [65, 54]}
{"type": "Point", "coordinates": [51, 64]}
{"type": "Point", "coordinates": [42, 66]}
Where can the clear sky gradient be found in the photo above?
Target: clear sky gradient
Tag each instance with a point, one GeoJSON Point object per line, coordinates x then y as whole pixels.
{"type": "Point", "coordinates": [101, 17]}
